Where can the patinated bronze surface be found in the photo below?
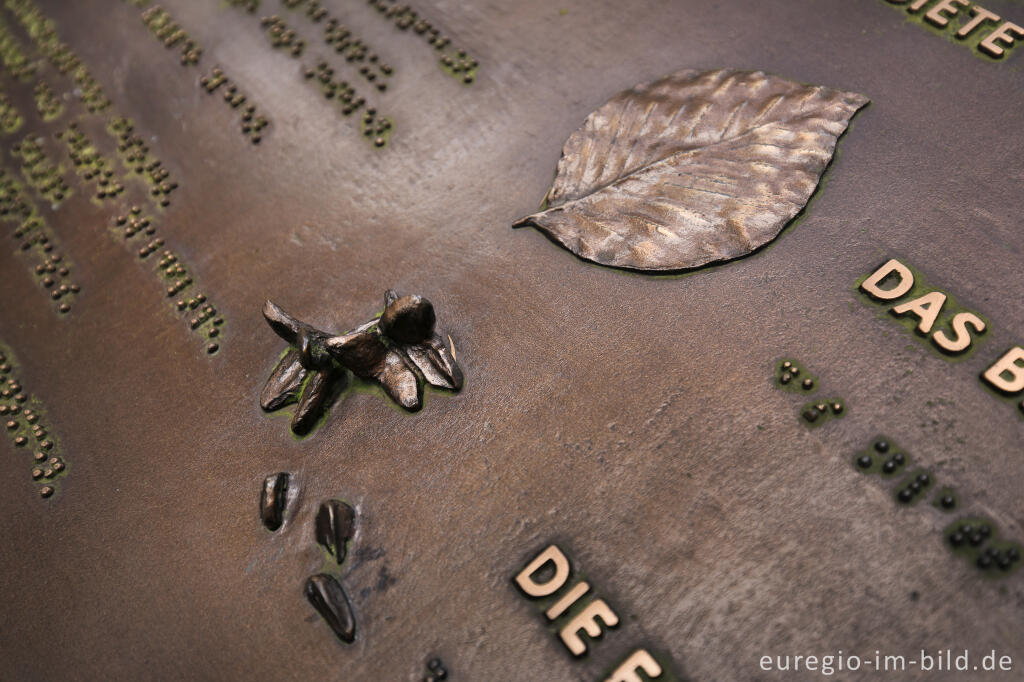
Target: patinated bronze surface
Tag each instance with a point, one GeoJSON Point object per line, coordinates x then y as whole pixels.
{"type": "Point", "coordinates": [166, 172]}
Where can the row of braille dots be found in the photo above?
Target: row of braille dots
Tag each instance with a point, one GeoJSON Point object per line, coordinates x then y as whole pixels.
{"type": "Point", "coordinates": [281, 36]}
{"type": "Point", "coordinates": [47, 104]}
{"type": "Point", "coordinates": [90, 164]}
{"type": "Point", "coordinates": [964, 536]}
{"type": "Point", "coordinates": [13, 56]}
{"type": "Point", "coordinates": [435, 671]}
{"type": "Point", "coordinates": [14, 413]}
{"type": "Point", "coordinates": [13, 203]}
{"type": "Point", "coordinates": [457, 63]}
{"type": "Point", "coordinates": [249, 5]}
{"type": "Point", "coordinates": [162, 25]}
{"type": "Point", "coordinates": [135, 153]}
{"type": "Point", "coordinates": [377, 128]}
{"type": "Point", "coordinates": [789, 375]}
{"type": "Point", "coordinates": [818, 412]}
{"type": "Point", "coordinates": [47, 468]}
{"type": "Point", "coordinates": [10, 118]}
{"type": "Point", "coordinates": [971, 535]}
{"type": "Point", "coordinates": [173, 270]}
{"type": "Point", "coordinates": [43, 32]}
{"type": "Point", "coordinates": [252, 124]}
{"type": "Point", "coordinates": [203, 315]}
{"type": "Point", "coordinates": [893, 462]}
{"type": "Point", "coordinates": [53, 274]}
{"type": "Point", "coordinates": [342, 40]}
{"type": "Point", "coordinates": [134, 223]}
{"type": "Point", "coordinates": [41, 173]}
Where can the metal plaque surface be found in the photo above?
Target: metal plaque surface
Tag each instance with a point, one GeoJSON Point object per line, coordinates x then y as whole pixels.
{"type": "Point", "coordinates": [749, 398]}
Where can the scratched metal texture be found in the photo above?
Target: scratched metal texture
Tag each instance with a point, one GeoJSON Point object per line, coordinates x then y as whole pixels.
{"type": "Point", "coordinates": [630, 419]}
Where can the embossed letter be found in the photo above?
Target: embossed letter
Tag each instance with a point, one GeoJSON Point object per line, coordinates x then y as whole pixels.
{"type": "Point", "coordinates": [962, 341]}
{"type": "Point", "coordinates": [530, 587]}
{"type": "Point", "coordinates": [893, 267]}
{"type": "Point", "coordinates": [1002, 35]}
{"type": "Point", "coordinates": [981, 15]}
{"type": "Point", "coordinates": [1013, 364]}
{"type": "Point", "coordinates": [570, 598]}
{"type": "Point", "coordinates": [935, 14]}
{"type": "Point", "coordinates": [639, 660]}
{"type": "Point", "coordinates": [587, 620]}
{"type": "Point", "coordinates": [926, 308]}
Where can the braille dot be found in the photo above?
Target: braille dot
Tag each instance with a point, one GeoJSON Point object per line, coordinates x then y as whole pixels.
{"type": "Point", "coordinates": [977, 538]}
{"type": "Point", "coordinates": [924, 479]}
{"type": "Point", "coordinates": [882, 446]}
{"type": "Point", "coordinates": [794, 370]}
{"type": "Point", "coordinates": [889, 466]}
{"type": "Point", "coordinates": [984, 562]}
{"type": "Point", "coordinates": [948, 502]}
{"type": "Point", "coordinates": [915, 487]}
{"type": "Point", "coordinates": [46, 491]}
{"type": "Point", "coordinates": [899, 458]}
{"type": "Point", "coordinates": [58, 467]}
{"type": "Point", "coordinates": [811, 414]}
{"type": "Point", "coordinates": [808, 384]}
{"type": "Point", "coordinates": [906, 495]}
{"type": "Point", "coordinates": [956, 539]}
{"type": "Point", "coordinates": [212, 348]}
{"type": "Point", "coordinates": [1013, 554]}
{"type": "Point", "coordinates": [37, 474]}
{"type": "Point", "coordinates": [985, 531]}
{"type": "Point", "coordinates": [39, 456]}
{"type": "Point", "coordinates": [837, 408]}
{"type": "Point", "coordinates": [967, 529]}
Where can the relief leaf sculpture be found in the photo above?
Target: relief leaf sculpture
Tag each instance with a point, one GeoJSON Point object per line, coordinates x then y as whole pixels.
{"type": "Point", "coordinates": [698, 167]}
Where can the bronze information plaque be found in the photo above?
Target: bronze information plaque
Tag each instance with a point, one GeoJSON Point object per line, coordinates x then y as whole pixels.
{"type": "Point", "coordinates": [511, 341]}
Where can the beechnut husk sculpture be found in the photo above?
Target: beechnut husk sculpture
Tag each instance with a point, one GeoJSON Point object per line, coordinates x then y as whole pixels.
{"type": "Point", "coordinates": [692, 169]}
{"type": "Point", "coordinates": [400, 350]}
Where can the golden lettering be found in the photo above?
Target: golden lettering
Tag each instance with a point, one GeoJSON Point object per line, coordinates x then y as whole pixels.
{"type": "Point", "coordinates": [962, 341]}
{"type": "Point", "coordinates": [935, 14]}
{"type": "Point", "coordinates": [926, 308]}
{"type": "Point", "coordinates": [638, 660]}
{"type": "Point", "coordinates": [1000, 35]}
{"type": "Point", "coordinates": [981, 15]}
{"type": "Point", "coordinates": [534, 589]}
{"type": "Point", "coordinates": [1011, 363]}
{"type": "Point", "coordinates": [893, 267]}
{"type": "Point", "coordinates": [560, 607]}
{"type": "Point", "coordinates": [587, 620]}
